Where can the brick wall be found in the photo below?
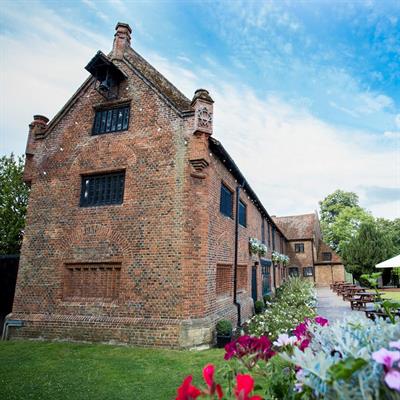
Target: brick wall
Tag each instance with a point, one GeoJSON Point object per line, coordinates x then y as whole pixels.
{"type": "Point", "coordinates": [143, 235]}
{"type": "Point", "coordinates": [148, 271]}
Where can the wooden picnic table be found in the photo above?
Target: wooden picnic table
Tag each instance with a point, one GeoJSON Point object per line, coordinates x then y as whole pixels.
{"type": "Point", "coordinates": [351, 291]}
{"type": "Point", "coordinates": [361, 299]}
{"type": "Point", "coordinates": [336, 283]}
{"type": "Point", "coordinates": [343, 288]}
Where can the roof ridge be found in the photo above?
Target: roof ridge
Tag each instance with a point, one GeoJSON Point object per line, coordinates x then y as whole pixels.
{"type": "Point", "coordinates": [156, 78]}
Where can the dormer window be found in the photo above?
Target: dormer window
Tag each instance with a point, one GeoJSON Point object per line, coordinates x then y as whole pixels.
{"type": "Point", "coordinates": [108, 76]}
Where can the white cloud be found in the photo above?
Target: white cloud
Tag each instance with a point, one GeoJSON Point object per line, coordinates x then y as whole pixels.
{"type": "Point", "coordinates": [99, 13]}
{"type": "Point", "coordinates": [291, 158]}
{"type": "Point", "coordinates": [392, 134]}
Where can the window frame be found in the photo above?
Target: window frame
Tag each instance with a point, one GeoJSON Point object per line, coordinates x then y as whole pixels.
{"type": "Point", "coordinates": [291, 269]}
{"type": "Point", "coordinates": [112, 111]}
{"type": "Point", "coordinates": [221, 208]}
{"type": "Point", "coordinates": [326, 256]}
{"type": "Point", "coordinates": [241, 214]}
{"type": "Point", "coordinates": [114, 199]}
{"type": "Point", "coordinates": [296, 246]}
{"type": "Point", "coordinates": [306, 274]}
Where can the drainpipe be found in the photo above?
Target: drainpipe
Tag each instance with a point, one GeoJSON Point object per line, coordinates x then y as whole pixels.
{"type": "Point", "coordinates": [313, 261]}
{"type": "Point", "coordinates": [11, 322]}
{"type": "Point", "coordinates": [235, 263]}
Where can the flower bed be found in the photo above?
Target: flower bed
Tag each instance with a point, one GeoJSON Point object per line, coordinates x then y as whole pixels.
{"type": "Point", "coordinates": [352, 359]}
{"type": "Point", "coordinates": [294, 301]}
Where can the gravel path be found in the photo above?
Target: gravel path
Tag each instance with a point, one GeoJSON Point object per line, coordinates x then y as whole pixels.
{"type": "Point", "coordinates": [332, 307]}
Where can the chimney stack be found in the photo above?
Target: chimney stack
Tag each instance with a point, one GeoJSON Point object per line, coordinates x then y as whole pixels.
{"type": "Point", "coordinates": [37, 127]}
{"type": "Point", "coordinates": [122, 40]}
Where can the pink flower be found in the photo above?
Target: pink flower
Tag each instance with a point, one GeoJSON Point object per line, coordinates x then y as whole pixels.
{"type": "Point", "coordinates": [304, 344]}
{"type": "Point", "coordinates": [395, 345]}
{"type": "Point", "coordinates": [392, 379]}
{"type": "Point", "coordinates": [321, 321]}
{"type": "Point", "coordinates": [208, 375]}
{"type": "Point", "coordinates": [386, 358]}
{"type": "Point", "coordinates": [300, 330]}
{"type": "Point", "coordinates": [244, 386]}
{"type": "Point", "coordinates": [186, 391]}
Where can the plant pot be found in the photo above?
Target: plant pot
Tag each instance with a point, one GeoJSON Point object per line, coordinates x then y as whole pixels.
{"type": "Point", "coordinates": [223, 340]}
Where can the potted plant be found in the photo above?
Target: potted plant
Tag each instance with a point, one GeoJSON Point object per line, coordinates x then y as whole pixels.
{"type": "Point", "coordinates": [258, 306]}
{"type": "Point", "coordinates": [224, 332]}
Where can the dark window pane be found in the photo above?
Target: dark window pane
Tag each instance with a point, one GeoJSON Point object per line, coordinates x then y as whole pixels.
{"type": "Point", "coordinates": [111, 120]}
{"type": "Point", "coordinates": [102, 189]}
{"type": "Point", "coordinates": [114, 120]}
{"type": "Point", "coordinates": [103, 121]}
{"type": "Point", "coordinates": [327, 256]}
{"type": "Point", "coordinates": [97, 121]}
{"type": "Point", "coordinates": [299, 247]}
{"type": "Point", "coordinates": [226, 201]}
{"type": "Point", "coordinates": [126, 119]}
{"type": "Point", "coordinates": [242, 213]}
{"type": "Point", "coordinates": [119, 120]}
{"type": "Point", "coordinates": [108, 124]}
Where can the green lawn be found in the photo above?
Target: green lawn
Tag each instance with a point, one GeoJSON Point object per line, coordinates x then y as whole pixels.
{"type": "Point", "coordinates": [46, 370]}
{"type": "Point", "coordinates": [392, 295]}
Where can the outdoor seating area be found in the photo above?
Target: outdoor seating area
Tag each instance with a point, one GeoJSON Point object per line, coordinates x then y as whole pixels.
{"type": "Point", "coordinates": [361, 299]}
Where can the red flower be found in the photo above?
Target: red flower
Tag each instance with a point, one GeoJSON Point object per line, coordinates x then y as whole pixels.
{"type": "Point", "coordinates": [246, 345]}
{"type": "Point", "coordinates": [244, 386]}
{"type": "Point", "coordinates": [208, 375]}
{"type": "Point", "coordinates": [186, 391]}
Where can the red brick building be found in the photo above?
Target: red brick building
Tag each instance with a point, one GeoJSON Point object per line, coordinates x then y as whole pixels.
{"type": "Point", "coordinates": [310, 257]}
{"type": "Point", "coordinates": [138, 221]}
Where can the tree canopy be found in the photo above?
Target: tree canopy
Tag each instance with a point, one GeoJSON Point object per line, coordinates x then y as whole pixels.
{"type": "Point", "coordinates": [366, 248]}
{"type": "Point", "coordinates": [13, 202]}
{"type": "Point", "coordinates": [341, 217]}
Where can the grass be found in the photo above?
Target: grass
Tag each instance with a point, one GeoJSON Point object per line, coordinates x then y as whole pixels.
{"type": "Point", "coordinates": [47, 370]}
{"type": "Point", "coordinates": [392, 295]}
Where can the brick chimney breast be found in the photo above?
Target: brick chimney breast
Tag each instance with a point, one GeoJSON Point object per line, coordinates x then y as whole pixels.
{"type": "Point", "coordinates": [122, 40]}
{"type": "Point", "coordinates": [203, 108]}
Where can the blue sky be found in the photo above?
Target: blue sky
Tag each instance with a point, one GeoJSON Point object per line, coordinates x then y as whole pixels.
{"type": "Point", "coordinates": [307, 88]}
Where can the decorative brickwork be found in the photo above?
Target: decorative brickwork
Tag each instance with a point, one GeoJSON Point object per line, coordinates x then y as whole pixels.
{"type": "Point", "coordinates": [223, 281]}
{"type": "Point", "coordinates": [94, 280]}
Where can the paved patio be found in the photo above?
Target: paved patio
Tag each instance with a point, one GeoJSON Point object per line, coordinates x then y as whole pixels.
{"type": "Point", "coordinates": [332, 307]}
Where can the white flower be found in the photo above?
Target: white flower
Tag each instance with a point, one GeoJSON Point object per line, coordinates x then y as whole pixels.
{"type": "Point", "coordinates": [285, 340]}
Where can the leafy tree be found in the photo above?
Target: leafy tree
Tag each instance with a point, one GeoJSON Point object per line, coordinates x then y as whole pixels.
{"type": "Point", "coordinates": [391, 228]}
{"type": "Point", "coordinates": [346, 225]}
{"type": "Point", "coordinates": [13, 202]}
{"type": "Point", "coordinates": [366, 249]}
{"type": "Point", "coordinates": [341, 217]}
{"type": "Point", "coordinates": [334, 203]}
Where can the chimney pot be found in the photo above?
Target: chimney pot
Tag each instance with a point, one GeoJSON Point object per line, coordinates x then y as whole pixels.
{"type": "Point", "coordinates": [122, 40]}
{"type": "Point", "coordinates": [38, 127]}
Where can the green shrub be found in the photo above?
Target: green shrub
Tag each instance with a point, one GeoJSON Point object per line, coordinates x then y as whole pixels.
{"type": "Point", "coordinates": [266, 299]}
{"type": "Point", "coordinates": [224, 327]}
{"type": "Point", "coordinates": [258, 307]}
